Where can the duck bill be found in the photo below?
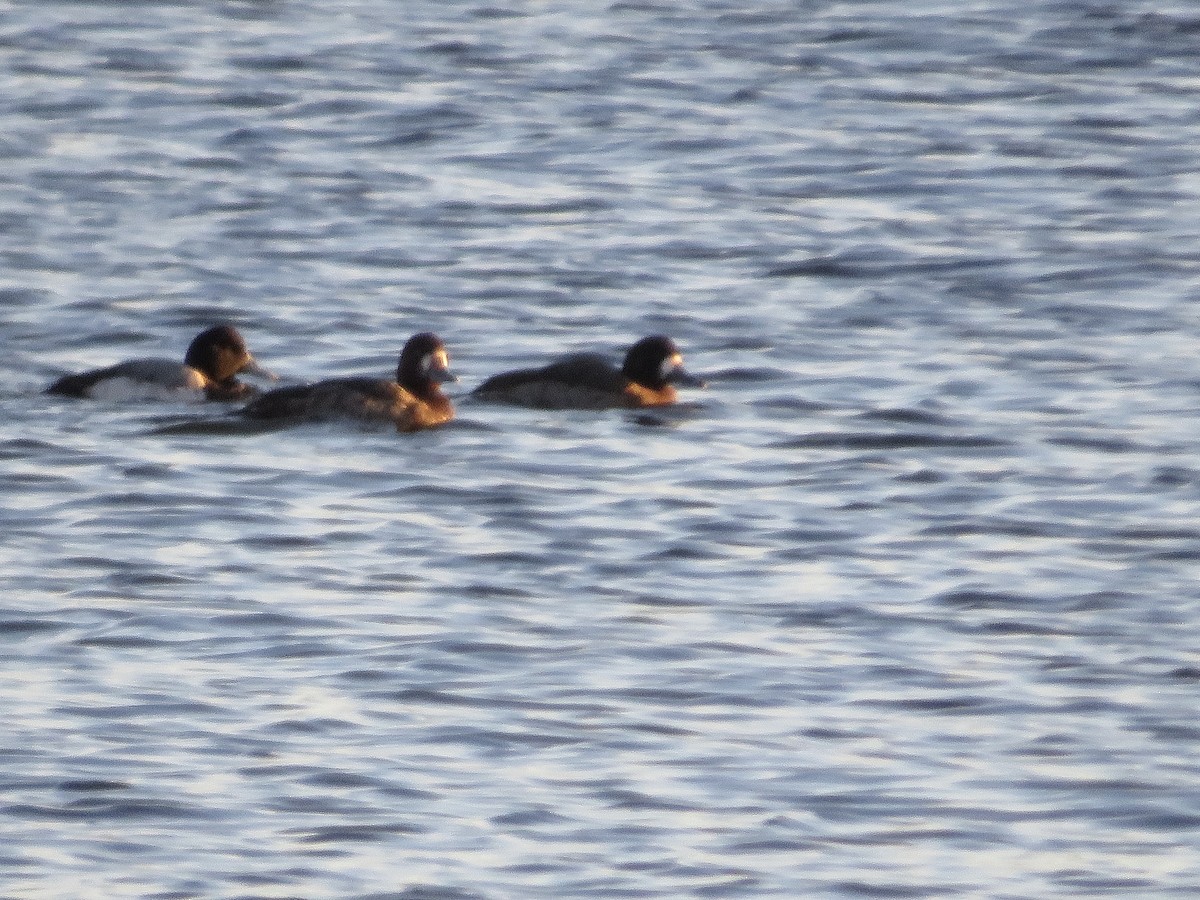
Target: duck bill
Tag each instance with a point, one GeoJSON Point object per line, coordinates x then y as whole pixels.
{"type": "Point", "coordinates": [442, 376]}
{"type": "Point", "coordinates": [253, 368]}
{"type": "Point", "coordinates": [687, 379]}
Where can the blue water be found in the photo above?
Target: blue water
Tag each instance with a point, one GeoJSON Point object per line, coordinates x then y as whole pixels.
{"type": "Point", "coordinates": [903, 605]}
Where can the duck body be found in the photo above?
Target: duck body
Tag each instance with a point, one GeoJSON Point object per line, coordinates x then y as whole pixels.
{"type": "Point", "coordinates": [209, 372]}
{"type": "Point", "coordinates": [362, 399]}
{"type": "Point", "coordinates": [652, 368]}
{"type": "Point", "coordinates": [579, 381]}
{"type": "Point", "coordinates": [412, 402]}
{"type": "Point", "coordinates": [135, 379]}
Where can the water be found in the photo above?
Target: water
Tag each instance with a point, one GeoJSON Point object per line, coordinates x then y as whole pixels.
{"type": "Point", "coordinates": [903, 605]}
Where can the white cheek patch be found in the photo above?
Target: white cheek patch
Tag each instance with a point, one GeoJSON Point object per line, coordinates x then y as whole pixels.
{"type": "Point", "coordinates": [669, 366]}
{"type": "Point", "coordinates": [435, 360]}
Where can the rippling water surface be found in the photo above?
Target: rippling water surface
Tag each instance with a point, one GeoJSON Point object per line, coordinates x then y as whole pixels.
{"type": "Point", "coordinates": [904, 605]}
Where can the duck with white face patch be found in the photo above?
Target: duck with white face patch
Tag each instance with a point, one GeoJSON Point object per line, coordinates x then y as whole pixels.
{"type": "Point", "coordinates": [413, 401]}
{"type": "Point", "coordinates": [652, 369]}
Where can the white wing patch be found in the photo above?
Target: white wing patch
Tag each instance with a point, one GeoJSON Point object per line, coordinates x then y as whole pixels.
{"type": "Point", "coordinates": [151, 379]}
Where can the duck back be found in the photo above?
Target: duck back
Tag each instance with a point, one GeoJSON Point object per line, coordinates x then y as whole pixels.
{"type": "Point", "coordinates": [580, 381]}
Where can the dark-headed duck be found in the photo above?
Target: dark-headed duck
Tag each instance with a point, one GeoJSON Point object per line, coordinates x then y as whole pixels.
{"type": "Point", "coordinates": [652, 368]}
{"type": "Point", "coordinates": [209, 371]}
{"type": "Point", "coordinates": [413, 401]}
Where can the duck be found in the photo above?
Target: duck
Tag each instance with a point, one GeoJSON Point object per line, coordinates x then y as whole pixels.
{"type": "Point", "coordinates": [413, 401]}
{"type": "Point", "coordinates": [209, 371]}
{"type": "Point", "coordinates": [652, 368]}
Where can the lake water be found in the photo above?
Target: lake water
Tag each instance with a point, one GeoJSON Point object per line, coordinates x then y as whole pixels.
{"type": "Point", "coordinates": [905, 604]}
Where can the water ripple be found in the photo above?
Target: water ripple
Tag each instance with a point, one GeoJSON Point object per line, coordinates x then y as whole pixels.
{"type": "Point", "coordinates": [907, 594]}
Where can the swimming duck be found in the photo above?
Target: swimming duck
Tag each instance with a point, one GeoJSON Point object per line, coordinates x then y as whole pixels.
{"type": "Point", "coordinates": [209, 370]}
{"type": "Point", "coordinates": [652, 367]}
{"type": "Point", "coordinates": [413, 401]}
